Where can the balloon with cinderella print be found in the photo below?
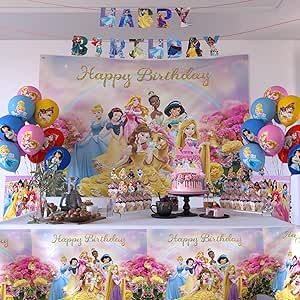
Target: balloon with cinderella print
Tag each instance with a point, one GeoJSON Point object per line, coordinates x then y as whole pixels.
{"type": "Point", "coordinates": [288, 110]}
{"type": "Point", "coordinates": [294, 160]}
{"type": "Point", "coordinates": [58, 158]}
{"type": "Point", "coordinates": [22, 107]}
{"type": "Point", "coordinates": [292, 138]}
{"type": "Point", "coordinates": [252, 157]}
{"type": "Point", "coordinates": [263, 109]}
{"type": "Point", "coordinates": [31, 92]}
{"type": "Point", "coordinates": [31, 139]}
{"type": "Point", "coordinates": [271, 139]}
{"type": "Point", "coordinates": [9, 128]}
{"type": "Point", "coordinates": [275, 92]}
{"type": "Point", "coordinates": [9, 156]}
{"type": "Point", "coordinates": [250, 129]}
{"type": "Point", "coordinates": [46, 112]}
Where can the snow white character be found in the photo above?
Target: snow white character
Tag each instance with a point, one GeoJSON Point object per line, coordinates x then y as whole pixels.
{"type": "Point", "coordinates": [188, 287]}
{"type": "Point", "coordinates": [45, 115]}
{"type": "Point", "coordinates": [187, 133]}
{"type": "Point", "coordinates": [86, 150]}
{"type": "Point", "coordinates": [115, 286]}
{"type": "Point", "coordinates": [145, 17]}
{"type": "Point", "coordinates": [20, 110]}
{"type": "Point", "coordinates": [175, 113]}
{"type": "Point", "coordinates": [74, 279]}
{"type": "Point", "coordinates": [176, 281]}
{"type": "Point", "coordinates": [232, 284]}
{"type": "Point", "coordinates": [135, 113]}
{"type": "Point", "coordinates": [259, 112]}
{"type": "Point", "coordinates": [110, 19]}
{"type": "Point", "coordinates": [9, 133]}
{"type": "Point", "coordinates": [126, 18]}
{"type": "Point", "coordinates": [194, 49]}
{"type": "Point", "coordinates": [7, 159]}
{"type": "Point", "coordinates": [60, 281]}
{"type": "Point", "coordinates": [250, 159]}
{"type": "Point", "coordinates": [294, 162]}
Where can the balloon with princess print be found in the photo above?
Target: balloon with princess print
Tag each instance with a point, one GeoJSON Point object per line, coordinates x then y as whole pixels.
{"type": "Point", "coordinates": [263, 109]}
{"type": "Point", "coordinates": [31, 139]}
{"type": "Point", "coordinates": [9, 156]}
{"type": "Point", "coordinates": [252, 157]}
{"type": "Point", "coordinates": [38, 157]}
{"type": "Point", "coordinates": [271, 139]}
{"type": "Point", "coordinates": [250, 129]}
{"type": "Point", "coordinates": [275, 92]}
{"type": "Point", "coordinates": [58, 158]}
{"type": "Point", "coordinates": [31, 92]}
{"type": "Point", "coordinates": [9, 128]}
{"type": "Point", "coordinates": [53, 137]}
{"type": "Point", "coordinates": [294, 160]}
{"type": "Point", "coordinates": [22, 107]}
{"type": "Point", "coordinates": [292, 138]}
{"type": "Point", "coordinates": [46, 112]}
{"type": "Point", "coordinates": [288, 110]}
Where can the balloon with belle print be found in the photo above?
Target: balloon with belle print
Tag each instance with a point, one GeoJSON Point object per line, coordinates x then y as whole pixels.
{"type": "Point", "coordinates": [9, 156]}
{"type": "Point", "coordinates": [263, 109]}
{"type": "Point", "coordinates": [31, 139]}
{"type": "Point", "coordinates": [288, 110]}
{"type": "Point", "coordinates": [252, 157]}
{"type": "Point", "coordinates": [271, 139]}
{"type": "Point", "coordinates": [46, 112]}
{"type": "Point", "coordinates": [31, 92]}
{"type": "Point", "coordinates": [22, 107]}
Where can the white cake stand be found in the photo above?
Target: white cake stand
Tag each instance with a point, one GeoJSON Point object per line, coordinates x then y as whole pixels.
{"type": "Point", "coordinates": [186, 198]}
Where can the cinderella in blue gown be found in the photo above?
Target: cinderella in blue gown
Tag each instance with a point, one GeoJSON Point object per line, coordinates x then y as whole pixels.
{"type": "Point", "coordinates": [174, 284]}
{"type": "Point", "coordinates": [157, 52]}
{"type": "Point", "coordinates": [280, 277]}
{"type": "Point", "coordinates": [58, 284]}
{"type": "Point", "coordinates": [110, 19]}
{"type": "Point", "coordinates": [8, 201]}
{"type": "Point", "coordinates": [85, 152]}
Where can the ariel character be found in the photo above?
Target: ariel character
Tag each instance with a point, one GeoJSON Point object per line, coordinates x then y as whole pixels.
{"type": "Point", "coordinates": [259, 112]}
{"type": "Point", "coordinates": [250, 159]}
{"type": "Point", "coordinates": [156, 114]}
{"type": "Point", "coordinates": [115, 286]}
{"type": "Point", "coordinates": [20, 110]}
{"type": "Point", "coordinates": [8, 133]}
{"type": "Point", "coordinates": [45, 115]}
{"type": "Point", "coordinates": [7, 159]}
{"type": "Point", "coordinates": [175, 113]}
{"type": "Point", "coordinates": [97, 42]}
{"type": "Point", "coordinates": [117, 144]}
{"type": "Point", "coordinates": [232, 284]}
{"type": "Point", "coordinates": [60, 281]}
{"type": "Point", "coordinates": [83, 262]}
{"type": "Point", "coordinates": [194, 49]}
{"type": "Point", "coordinates": [126, 19]}
{"type": "Point", "coordinates": [49, 142]}
{"type": "Point", "coordinates": [211, 43]}
{"type": "Point", "coordinates": [145, 17]}
{"type": "Point", "coordinates": [86, 150]}
{"type": "Point", "coordinates": [74, 279]}
{"type": "Point", "coordinates": [188, 134]}
{"type": "Point", "coordinates": [110, 19]}
{"type": "Point", "coordinates": [135, 113]}
{"type": "Point", "coordinates": [176, 281]}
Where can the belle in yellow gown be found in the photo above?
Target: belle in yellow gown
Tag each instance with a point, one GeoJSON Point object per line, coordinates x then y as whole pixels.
{"type": "Point", "coordinates": [137, 156]}
{"type": "Point", "coordinates": [144, 19]}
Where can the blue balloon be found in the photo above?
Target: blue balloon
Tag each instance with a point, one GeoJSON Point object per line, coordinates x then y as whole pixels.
{"type": "Point", "coordinates": [9, 128]}
{"type": "Point", "coordinates": [250, 129]}
{"type": "Point", "coordinates": [263, 109]}
{"type": "Point", "coordinates": [22, 107]}
{"type": "Point", "coordinates": [253, 157]}
{"type": "Point", "coordinates": [294, 160]}
{"type": "Point", "coordinates": [32, 121]}
{"type": "Point", "coordinates": [9, 156]}
{"type": "Point", "coordinates": [57, 158]}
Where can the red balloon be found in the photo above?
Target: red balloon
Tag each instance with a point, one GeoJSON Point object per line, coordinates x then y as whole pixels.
{"type": "Point", "coordinates": [53, 138]}
{"type": "Point", "coordinates": [292, 138]}
{"type": "Point", "coordinates": [37, 158]}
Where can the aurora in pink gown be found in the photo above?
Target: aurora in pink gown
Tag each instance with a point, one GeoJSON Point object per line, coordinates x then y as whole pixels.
{"type": "Point", "coordinates": [132, 117]}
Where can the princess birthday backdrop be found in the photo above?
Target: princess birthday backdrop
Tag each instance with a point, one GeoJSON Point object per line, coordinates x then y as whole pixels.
{"type": "Point", "coordinates": [103, 103]}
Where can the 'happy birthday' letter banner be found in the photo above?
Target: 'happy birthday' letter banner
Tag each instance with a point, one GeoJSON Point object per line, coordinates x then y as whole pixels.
{"type": "Point", "coordinates": [114, 107]}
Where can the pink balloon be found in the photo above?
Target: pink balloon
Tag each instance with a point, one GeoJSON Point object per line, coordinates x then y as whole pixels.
{"type": "Point", "coordinates": [271, 139]}
{"type": "Point", "coordinates": [275, 92]}
{"type": "Point", "coordinates": [31, 138]}
{"type": "Point", "coordinates": [30, 91]}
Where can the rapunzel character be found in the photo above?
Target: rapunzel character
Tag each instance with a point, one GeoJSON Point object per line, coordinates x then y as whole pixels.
{"type": "Point", "coordinates": [83, 262]}
{"type": "Point", "coordinates": [110, 19]}
{"type": "Point", "coordinates": [144, 18]}
{"type": "Point", "coordinates": [194, 49]}
{"type": "Point", "coordinates": [250, 159]}
{"type": "Point", "coordinates": [137, 156]}
{"type": "Point", "coordinates": [20, 110]}
{"type": "Point", "coordinates": [60, 281]}
{"type": "Point", "coordinates": [135, 113]}
{"type": "Point", "coordinates": [89, 148]}
{"type": "Point", "coordinates": [292, 289]}
{"type": "Point", "coordinates": [200, 262]}
{"type": "Point", "coordinates": [259, 112]}
{"type": "Point", "coordinates": [28, 143]}
{"type": "Point", "coordinates": [202, 289]}
{"type": "Point", "coordinates": [7, 159]}
{"type": "Point", "coordinates": [8, 133]}
{"type": "Point", "coordinates": [232, 284]}
{"type": "Point", "coordinates": [156, 115]}
{"type": "Point", "coordinates": [176, 281]}
{"type": "Point", "coordinates": [188, 134]}
{"type": "Point", "coordinates": [117, 144]}
{"type": "Point", "coordinates": [45, 115]}
{"type": "Point", "coordinates": [223, 263]}
{"type": "Point", "coordinates": [162, 16]}
{"type": "Point", "coordinates": [158, 51]}
{"type": "Point", "coordinates": [175, 113]}
{"type": "Point", "coordinates": [74, 279]}
{"type": "Point", "coordinates": [188, 287]}
{"type": "Point", "coordinates": [115, 285]}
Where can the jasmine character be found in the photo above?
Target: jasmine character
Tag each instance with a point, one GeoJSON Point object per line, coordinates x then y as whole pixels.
{"type": "Point", "coordinates": [126, 19]}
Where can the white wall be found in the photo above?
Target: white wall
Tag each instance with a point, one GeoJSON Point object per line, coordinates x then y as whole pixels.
{"type": "Point", "coordinates": [271, 63]}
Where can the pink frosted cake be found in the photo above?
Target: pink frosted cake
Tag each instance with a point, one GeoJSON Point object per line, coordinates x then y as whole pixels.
{"type": "Point", "coordinates": [188, 176]}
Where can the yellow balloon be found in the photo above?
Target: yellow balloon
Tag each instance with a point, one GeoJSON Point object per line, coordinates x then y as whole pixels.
{"type": "Point", "coordinates": [46, 112]}
{"type": "Point", "coordinates": [288, 110]}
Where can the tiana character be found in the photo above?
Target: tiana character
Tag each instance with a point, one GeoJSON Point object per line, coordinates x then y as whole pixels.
{"type": "Point", "coordinates": [20, 110]}
{"type": "Point", "coordinates": [115, 286]}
